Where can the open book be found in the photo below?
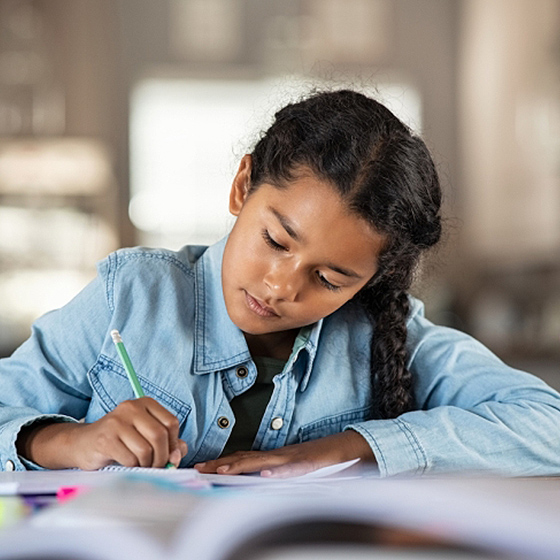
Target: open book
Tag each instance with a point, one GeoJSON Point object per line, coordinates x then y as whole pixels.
{"type": "Point", "coordinates": [463, 518]}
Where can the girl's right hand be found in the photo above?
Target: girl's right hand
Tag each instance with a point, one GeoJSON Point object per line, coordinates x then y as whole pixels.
{"type": "Point", "coordinates": [137, 433]}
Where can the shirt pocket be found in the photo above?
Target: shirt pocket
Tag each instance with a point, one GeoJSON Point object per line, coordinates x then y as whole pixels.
{"type": "Point", "coordinates": [333, 424]}
{"type": "Point", "coordinates": [111, 386]}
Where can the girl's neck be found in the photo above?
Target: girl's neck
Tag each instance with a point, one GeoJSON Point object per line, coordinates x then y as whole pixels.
{"type": "Point", "coordinates": [272, 345]}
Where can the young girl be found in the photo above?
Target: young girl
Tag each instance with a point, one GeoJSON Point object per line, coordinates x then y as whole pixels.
{"type": "Point", "coordinates": [289, 345]}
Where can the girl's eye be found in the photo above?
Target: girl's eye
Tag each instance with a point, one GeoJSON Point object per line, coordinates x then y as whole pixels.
{"type": "Point", "coordinates": [327, 284]}
{"type": "Point", "coordinates": [271, 243]}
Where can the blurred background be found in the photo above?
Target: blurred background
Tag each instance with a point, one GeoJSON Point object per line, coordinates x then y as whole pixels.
{"type": "Point", "coordinates": [122, 122]}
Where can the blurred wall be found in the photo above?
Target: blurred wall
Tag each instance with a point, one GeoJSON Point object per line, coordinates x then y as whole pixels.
{"type": "Point", "coordinates": [487, 74]}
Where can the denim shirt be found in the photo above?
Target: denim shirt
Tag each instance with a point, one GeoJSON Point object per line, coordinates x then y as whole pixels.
{"type": "Point", "coordinates": [474, 413]}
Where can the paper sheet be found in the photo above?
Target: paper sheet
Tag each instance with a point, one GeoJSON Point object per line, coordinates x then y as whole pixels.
{"type": "Point", "coordinates": [49, 482]}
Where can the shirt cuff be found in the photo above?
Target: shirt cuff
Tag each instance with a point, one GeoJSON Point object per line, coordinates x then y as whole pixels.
{"type": "Point", "coordinates": [19, 463]}
{"type": "Point", "coordinates": [396, 448]}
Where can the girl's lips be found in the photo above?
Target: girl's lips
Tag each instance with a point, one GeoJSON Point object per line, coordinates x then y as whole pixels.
{"type": "Point", "coordinates": [259, 308]}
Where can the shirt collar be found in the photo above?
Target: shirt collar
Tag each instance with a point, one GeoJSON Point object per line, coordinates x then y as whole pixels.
{"type": "Point", "coordinates": [219, 343]}
{"type": "Point", "coordinates": [308, 340]}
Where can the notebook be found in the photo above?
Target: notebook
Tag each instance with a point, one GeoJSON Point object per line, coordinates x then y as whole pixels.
{"type": "Point", "coordinates": [48, 482]}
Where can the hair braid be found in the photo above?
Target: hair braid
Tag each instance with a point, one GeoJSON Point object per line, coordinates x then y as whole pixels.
{"type": "Point", "coordinates": [392, 382]}
{"type": "Point", "coordinates": [385, 301]}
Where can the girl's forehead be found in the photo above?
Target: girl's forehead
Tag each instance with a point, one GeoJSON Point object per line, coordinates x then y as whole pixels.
{"type": "Point", "coordinates": [312, 213]}
{"type": "Point", "coordinates": [306, 194]}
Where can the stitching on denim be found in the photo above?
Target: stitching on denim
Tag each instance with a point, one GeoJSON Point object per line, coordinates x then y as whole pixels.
{"type": "Point", "coordinates": [415, 444]}
{"type": "Point", "coordinates": [224, 363]}
{"type": "Point", "coordinates": [379, 455]}
{"type": "Point", "coordinates": [348, 416]}
{"type": "Point", "coordinates": [112, 263]}
{"type": "Point", "coordinates": [200, 311]}
{"type": "Point", "coordinates": [125, 256]}
{"type": "Point", "coordinates": [117, 369]}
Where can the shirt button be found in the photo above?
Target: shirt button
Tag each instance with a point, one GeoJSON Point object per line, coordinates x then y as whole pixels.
{"type": "Point", "coordinates": [9, 466]}
{"type": "Point", "coordinates": [277, 423]}
{"type": "Point", "coordinates": [223, 422]}
{"type": "Point", "coordinates": [241, 372]}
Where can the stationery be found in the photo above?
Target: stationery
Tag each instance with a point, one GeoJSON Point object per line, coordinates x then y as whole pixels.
{"type": "Point", "coordinates": [132, 377]}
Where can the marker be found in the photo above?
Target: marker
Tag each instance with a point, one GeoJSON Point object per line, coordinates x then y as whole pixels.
{"type": "Point", "coordinates": [132, 377]}
{"type": "Point", "coordinates": [65, 493]}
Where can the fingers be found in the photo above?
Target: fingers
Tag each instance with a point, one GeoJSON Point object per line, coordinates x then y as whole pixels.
{"type": "Point", "coordinates": [161, 430]}
{"type": "Point", "coordinates": [277, 463]}
{"type": "Point", "coordinates": [295, 459]}
{"type": "Point", "coordinates": [165, 418]}
{"type": "Point", "coordinates": [140, 432]}
{"type": "Point", "coordinates": [148, 440]}
{"type": "Point", "coordinates": [178, 453]}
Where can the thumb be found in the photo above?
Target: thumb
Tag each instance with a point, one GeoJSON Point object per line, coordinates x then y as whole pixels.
{"type": "Point", "coordinates": [182, 447]}
{"type": "Point", "coordinates": [178, 453]}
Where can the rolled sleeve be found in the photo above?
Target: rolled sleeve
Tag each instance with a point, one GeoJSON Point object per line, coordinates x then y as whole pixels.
{"type": "Point", "coordinates": [9, 458]}
{"type": "Point", "coordinates": [473, 413]}
{"type": "Point", "coordinates": [394, 445]}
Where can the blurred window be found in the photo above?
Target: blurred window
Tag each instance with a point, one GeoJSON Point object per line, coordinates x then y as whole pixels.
{"type": "Point", "coordinates": [187, 137]}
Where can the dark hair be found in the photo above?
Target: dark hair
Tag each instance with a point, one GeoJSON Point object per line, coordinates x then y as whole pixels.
{"type": "Point", "coordinates": [386, 175]}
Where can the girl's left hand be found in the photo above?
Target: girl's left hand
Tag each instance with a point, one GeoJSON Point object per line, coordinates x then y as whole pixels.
{"type": "Point", "coordinates": [293, 460]}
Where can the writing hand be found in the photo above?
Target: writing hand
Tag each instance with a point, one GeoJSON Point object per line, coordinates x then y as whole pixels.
{"type": "Point", "coordinates": [137, 433]}
{"type": "Point", "coordinates": [293, 460]}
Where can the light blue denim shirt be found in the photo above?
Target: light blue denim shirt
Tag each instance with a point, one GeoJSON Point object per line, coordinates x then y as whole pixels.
{"type": "Point", "coordinates": [474, 412]}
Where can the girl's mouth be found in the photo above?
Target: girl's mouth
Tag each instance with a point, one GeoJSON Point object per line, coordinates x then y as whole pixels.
{"type": "Point", "coordinates": [259, 308]}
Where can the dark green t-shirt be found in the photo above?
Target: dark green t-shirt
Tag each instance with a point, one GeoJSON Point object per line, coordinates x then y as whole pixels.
{"type": "Point", "coordinates": [248, 408]}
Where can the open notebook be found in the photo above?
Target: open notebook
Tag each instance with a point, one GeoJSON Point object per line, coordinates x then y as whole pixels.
{"type": "Point", "coordinates": [48, 482]}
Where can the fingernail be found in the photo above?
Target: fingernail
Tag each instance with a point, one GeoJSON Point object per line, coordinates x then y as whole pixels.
{"type": "Point", "coordinates": [223, 469]}
{"type": "Point", "coordinates": [266, 473]}
{"type": "Point", "coordinates": [175, 457]}
{"type": "Point", "coordinates": [200, 464]}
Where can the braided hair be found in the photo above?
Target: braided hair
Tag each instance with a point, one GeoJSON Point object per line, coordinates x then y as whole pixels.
{"type": "Point", "coordinates": [385, 174]}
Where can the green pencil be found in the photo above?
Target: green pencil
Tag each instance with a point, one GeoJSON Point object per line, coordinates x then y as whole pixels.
{"type": "Point", "coordinates": [132, 377]}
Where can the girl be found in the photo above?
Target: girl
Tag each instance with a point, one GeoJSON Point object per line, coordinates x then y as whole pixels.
{"type": "Point", "coordinates": [289, 345]}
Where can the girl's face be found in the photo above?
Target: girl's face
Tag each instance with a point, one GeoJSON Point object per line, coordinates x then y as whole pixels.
{"type": "Point", "coordinates": [294, 255]}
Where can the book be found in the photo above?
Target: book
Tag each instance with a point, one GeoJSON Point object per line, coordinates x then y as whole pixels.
{"type": "Point", "coordinates": [448, 518]}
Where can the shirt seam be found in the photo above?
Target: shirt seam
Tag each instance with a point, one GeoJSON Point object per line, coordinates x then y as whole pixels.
{"type": "Point", "coordinates": [419, 451]}
{"type": "Point", "coordinates": [125, 256]}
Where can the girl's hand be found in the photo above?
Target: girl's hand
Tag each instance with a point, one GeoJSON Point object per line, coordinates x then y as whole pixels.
{"type": "Point", "coordinates": [293, 460]}
{"type": "Point", "coordinates": [137, 433]}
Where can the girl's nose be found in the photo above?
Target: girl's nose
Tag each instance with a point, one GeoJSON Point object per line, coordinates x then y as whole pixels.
{"type": "Point", "coordinates": [283, 283]}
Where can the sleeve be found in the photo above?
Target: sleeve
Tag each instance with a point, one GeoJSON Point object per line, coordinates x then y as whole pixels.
{"type": "Point", "coordinates": [474, 413]}
{"type": "Point", "coordinates": [46, 377]}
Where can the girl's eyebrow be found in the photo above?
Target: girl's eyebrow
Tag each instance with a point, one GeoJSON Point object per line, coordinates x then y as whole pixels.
{"type": "Point", "coordinates": [344, 271]}
{"type": "Point", "coordinates": [285, 223]}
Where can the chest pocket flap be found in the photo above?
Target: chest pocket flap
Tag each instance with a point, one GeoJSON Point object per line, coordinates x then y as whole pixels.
{"type": "Point", "coordinates": [111, 386]}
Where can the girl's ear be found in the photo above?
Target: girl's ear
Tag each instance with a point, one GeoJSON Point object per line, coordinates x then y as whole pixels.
{"type": "Point", "coordinates": [240, 186]}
